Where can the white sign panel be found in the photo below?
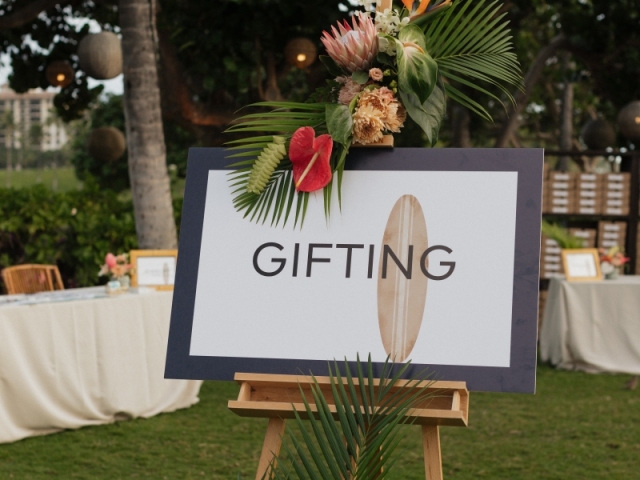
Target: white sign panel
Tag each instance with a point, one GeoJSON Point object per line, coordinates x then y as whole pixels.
{"type": "Point", "coordinates": [309, 308]}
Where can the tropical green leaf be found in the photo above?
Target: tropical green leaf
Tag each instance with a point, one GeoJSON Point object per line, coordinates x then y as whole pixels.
{"type": "Point", "coordinates": [472, 46]}
{"type": "Point", "coordinates": [360, 438]}
{"type": "Point", "coordinates": [275, 200]}
{"type": "Point", "coordinates": [339, 123]}
{"type": "Point", "coordinates": [561, 236]}
{"type": "Point", "coordinates": [332, 66]}
{"type": "Point", "coordinates": [360, 77]}
{"type": "Point", "coordinates": [417, 71]}
{"type": "Point", "coordinates": [430, 114]}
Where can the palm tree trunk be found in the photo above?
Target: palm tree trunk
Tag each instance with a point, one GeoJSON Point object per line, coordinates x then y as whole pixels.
{"type": "Point", "coordinates": [9, 134]}
{"type": "Point", "coordinates": [150, 185]}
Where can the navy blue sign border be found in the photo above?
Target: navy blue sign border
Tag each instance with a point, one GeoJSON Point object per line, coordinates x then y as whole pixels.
{"type": "Point", "coordinates": [519, 377]}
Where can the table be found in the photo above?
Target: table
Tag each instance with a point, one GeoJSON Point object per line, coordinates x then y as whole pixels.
{"type": "Point", "coordinates": [81, 357]}
{"type": "Point", "coordinates": [593, 326]}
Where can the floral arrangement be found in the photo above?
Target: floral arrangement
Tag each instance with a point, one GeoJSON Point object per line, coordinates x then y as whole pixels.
{"type": "Point", "coordinates": [116, 266]}
{"type": "Point", "coordinates": [612, 259]}
{"type": "Point", "coordinates": [388, 66]}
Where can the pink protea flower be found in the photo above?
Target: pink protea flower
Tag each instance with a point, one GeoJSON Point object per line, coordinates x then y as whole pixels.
{"type": "Point", "coordinates": [353, 47]}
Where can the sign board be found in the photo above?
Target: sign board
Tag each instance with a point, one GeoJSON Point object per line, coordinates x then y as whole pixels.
{"type": "Point", "coordinates": [433, 258]}
{"type": "Point", "coordinates": [581, 264]}
{"type": "Point", "coordinates": [154, 268]}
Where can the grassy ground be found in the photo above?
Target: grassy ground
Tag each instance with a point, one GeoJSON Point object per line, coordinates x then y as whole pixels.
{"type": "Point", "coordinates": [25, 178]}
{"type": "Point", "coordinates": [577, 426]}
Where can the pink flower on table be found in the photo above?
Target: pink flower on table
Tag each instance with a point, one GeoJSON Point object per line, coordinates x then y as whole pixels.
{"type": "Point", "coordinates": [110, 260]}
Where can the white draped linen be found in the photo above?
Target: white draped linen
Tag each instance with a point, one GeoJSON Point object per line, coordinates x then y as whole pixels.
{"type": "Point", "coordinates": [593, 326]}
{"type": "Point", "coordinates": [68, 364]}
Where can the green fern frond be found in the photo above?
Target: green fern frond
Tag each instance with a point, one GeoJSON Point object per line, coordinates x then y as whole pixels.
{"type": "Point", "coordinates": [265, 164]}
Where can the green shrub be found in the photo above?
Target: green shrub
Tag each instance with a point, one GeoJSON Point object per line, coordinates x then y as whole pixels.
{"type": "Point", "coordinates": [73, 230]}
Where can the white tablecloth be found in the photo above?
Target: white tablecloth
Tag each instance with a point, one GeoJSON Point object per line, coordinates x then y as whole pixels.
{"type": "Point", "coordinates": [593, 326]}
{"type": "Point", "coordinates": [68, 363]}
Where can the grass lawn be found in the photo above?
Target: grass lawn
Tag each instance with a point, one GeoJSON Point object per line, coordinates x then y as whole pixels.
{"type": "Point", "coordinates": [577, 426]}
{"type": "Point", "coordinates": [25, 178]}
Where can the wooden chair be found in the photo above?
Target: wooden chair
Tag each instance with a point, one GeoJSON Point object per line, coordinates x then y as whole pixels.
{"type": "Point", "coordinates": [32, 279]}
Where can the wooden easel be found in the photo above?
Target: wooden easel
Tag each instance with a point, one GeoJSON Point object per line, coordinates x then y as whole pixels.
{"type": "Point", "coordinates": [276, 396]}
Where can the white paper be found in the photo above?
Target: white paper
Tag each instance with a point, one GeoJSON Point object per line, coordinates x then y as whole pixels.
{"type": "Point", "coordinates": [467, 318]}
{"type": "Point", "coordinates": [156, 271]}
{"type": "Point", "coordinates": [581, 265]}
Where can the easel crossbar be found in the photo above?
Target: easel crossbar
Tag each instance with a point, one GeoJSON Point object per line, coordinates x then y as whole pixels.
{"type": "Point", "coordinates": [278, 396]}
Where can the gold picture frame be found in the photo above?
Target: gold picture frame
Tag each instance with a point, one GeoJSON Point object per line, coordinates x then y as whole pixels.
{"type": "Point", "coordinates": [153, 268]}
{"type": "Point", "coordinates": [581, 264]}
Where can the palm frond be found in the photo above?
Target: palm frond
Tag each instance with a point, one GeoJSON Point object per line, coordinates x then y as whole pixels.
{"type": "Point", "coordinates": [276, 200]}
{"type": "Point", "coordinates": [472, 46]}
{"type": "Point", "coordinates": [359, 443]}
{"type": "Point", "coordinates": [561, 235]}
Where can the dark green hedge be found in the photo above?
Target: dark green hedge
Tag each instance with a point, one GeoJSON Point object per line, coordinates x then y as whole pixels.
{"type": "Point", "coordinates": [73, 230]}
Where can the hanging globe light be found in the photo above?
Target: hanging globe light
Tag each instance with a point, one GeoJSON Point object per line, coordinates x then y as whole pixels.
{"type": "Point", "coordinates": [598, 134]}
{"type": "Point", "coordinates": [300, 52]}
{"type": "Point", "coordinates": [106, 144]}
{"type": "Point", "coordinates": [59, 73]}
{"type": "Point", "coordinates": [629, 122]}
{"type": "Point", "coordinates": [100, 55]}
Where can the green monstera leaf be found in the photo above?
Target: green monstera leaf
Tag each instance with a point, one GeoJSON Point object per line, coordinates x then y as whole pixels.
{"type": "Point", "coordinates": [339, 123]}
{"type": "Point", "coordinates": [417, 71]}
{"type": "Point", "coordinates": [429, 114]}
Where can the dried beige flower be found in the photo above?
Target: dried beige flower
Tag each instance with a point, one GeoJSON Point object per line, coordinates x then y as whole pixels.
{"type": "Point", "coordinates": [395, 117]}
{"type": "Point", "coordinates": [390, 111]}
{"type": "Point", "coordinates": [367, 125]}
{"type": "Point", "coordinates": [386, 94]}
{"type": "Point", "coordinates": [372, 99]}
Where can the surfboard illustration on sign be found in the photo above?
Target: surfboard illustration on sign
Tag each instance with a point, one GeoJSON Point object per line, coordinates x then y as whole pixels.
{"type": "Point", "coordinates": [402, 288]}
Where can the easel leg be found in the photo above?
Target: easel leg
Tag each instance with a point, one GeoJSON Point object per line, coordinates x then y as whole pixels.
{"type": "Point", "coordinates": [271, 445]}
{"type": "Point", "coordinates": [432, 457]}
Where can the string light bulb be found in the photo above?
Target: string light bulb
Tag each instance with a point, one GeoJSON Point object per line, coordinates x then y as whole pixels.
{"type": "Point", "coordinates": [300, 52]}
{"type": "Point", "coordinates": [59, 73]}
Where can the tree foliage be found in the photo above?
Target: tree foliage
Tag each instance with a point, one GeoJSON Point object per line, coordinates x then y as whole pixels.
{"type": "Point", "coordinates": [213, 58]}
{"type": "Point", "coordinates": [73, 230]}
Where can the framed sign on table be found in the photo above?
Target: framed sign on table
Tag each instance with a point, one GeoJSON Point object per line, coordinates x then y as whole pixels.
{"type": "Point", "coordinates": [433, 257]}
{"type": "Point", "coordinates": [581, 264]}
{"type": "Point", "coordinates": [153, 268]}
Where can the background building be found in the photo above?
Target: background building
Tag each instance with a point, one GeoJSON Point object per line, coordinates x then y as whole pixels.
{"type": "Point", "coordinates": [22, 113]}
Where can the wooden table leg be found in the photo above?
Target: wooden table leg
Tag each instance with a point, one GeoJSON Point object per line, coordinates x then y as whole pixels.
{"type": "Point", "coordinates": [432, 457]}
{"type": "Point", "coordinates": [271, 445]}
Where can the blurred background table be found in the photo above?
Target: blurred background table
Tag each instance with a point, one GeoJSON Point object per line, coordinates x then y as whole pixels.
{"type": "Point", "coordinates": [81, 357]}
{"type": "Point", "coordinates": [593, 326]}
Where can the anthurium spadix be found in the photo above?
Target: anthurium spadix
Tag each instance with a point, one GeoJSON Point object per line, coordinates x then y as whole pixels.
{"type": "Point", "coordinates": [417, 71]}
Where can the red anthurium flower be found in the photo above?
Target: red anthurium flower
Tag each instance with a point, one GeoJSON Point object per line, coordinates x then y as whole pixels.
{"type": "Point", "coordinates": [310, 158]}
